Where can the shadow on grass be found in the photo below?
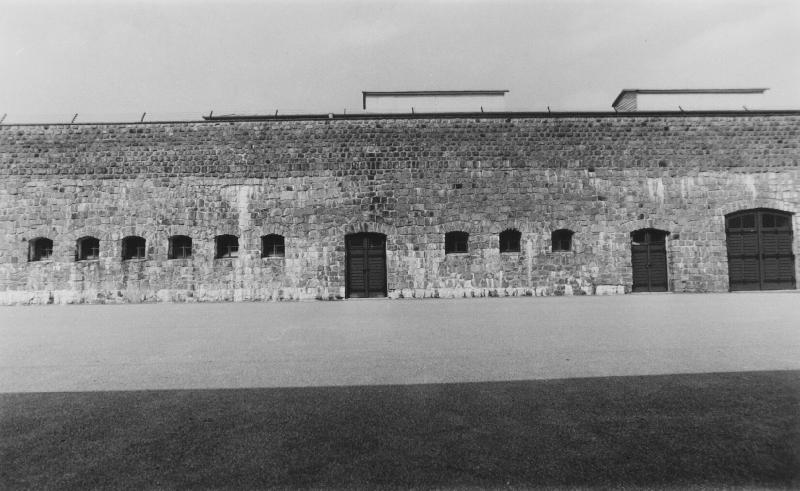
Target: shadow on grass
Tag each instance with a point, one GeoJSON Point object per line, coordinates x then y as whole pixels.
{"type": "Point", "coordinates": [730, 429]}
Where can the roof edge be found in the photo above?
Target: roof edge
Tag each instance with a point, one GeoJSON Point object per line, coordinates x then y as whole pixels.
{"type": "Point", "coordinates": [470, 115]}
{"type": "Point", "coordinates": [412, 93]}
{"type": "Point", "coordinates": [509, 115]}
{"type": "Point", "coordinates": [622, 93]}
{"type": "Point", "coordinates": [434, 92]}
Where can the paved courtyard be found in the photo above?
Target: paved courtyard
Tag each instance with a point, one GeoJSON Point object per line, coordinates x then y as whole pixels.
{"type": "Point", "coordinates": [177, 346]}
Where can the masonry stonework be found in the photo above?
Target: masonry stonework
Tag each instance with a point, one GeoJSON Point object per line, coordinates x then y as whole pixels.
{"type": "Point", "coordinates": [413, 179]}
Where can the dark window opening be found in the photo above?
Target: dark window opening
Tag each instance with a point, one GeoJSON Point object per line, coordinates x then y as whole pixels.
{"type": "Point", "coordinates": [648, 236]}
{"type": "Point", "coordinates": [782, 221]}
{"type": "Point", "coordinates": [88, 248]}
{"type": "Point", "coordinates": [227, 246]}
{"type": "Point", "coordinates": [562, 240]}
{"type": "Point", "coordinates": [180, 247]}
{"type": "Point", "coordinates": [272, 245]}
{"type": "Point", "coordinates": [133, 247]}
{"type": "Point", "coordinates": [456, 242]}
{"type": "Point", "coordinates": [39, 249]}
{"type": "Point", "coordinates": [743, 221]}
{"type": "Point", "coordinates": [509, 240]}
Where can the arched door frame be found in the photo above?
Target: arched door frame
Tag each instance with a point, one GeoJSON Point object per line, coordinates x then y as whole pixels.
{"type": "Point", "coordinates": [365, 265]}
{"type": "Point", "coordinates": [759, 245]}
{"type": "Point", "coordinates": [650, 271]}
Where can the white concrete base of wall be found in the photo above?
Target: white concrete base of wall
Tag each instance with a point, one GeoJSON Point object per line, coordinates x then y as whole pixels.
{"type": "Point", "coordinates": [92, 296]}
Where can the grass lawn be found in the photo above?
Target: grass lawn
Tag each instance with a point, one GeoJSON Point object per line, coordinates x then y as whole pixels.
{"type": "Point", "coordinates": [730, 429]}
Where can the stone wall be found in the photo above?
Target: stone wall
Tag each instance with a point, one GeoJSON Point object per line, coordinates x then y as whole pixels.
{"type": "Point", "coordinates": [413, 179]}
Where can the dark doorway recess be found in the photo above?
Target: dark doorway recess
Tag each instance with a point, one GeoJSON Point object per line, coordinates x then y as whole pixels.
{"type": "Point", "coordinates": [366, 265]}
{"type": "Point", "coordinates": [649, 260]}
{"type": "Point", "coordinates": [760, 250]}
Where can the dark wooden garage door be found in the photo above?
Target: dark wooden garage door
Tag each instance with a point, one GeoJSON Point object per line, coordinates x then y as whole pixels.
{"type": "Point", "coordinates": [649, 260]}
{"type": "Point", "coordinates": [760, 250]}
{"type": "Point", "coordinates": [366, 265]}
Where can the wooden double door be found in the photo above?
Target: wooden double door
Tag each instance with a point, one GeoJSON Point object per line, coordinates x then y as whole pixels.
{"type": "Point", "coordinates": [366, 265]}
{"type": "Point", "coordinates": [649, 260]}
{"type": "Point", "coordinates": [760, 250]}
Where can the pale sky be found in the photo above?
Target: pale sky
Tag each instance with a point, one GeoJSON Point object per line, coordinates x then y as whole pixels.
{"type": "Point", "coordinates": [181, 59]}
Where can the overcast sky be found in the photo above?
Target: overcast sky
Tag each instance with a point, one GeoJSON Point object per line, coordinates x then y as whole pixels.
{"type": "Point", "coordinates": [179, 60]}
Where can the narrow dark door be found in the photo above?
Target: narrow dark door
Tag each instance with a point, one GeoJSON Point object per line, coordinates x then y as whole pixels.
{"type": "Point", "coordinates": [649, 260]}
{"type": "Point", "coordinates": [366, 265]}
{"type": "Point", "coordinates": [760, 250]}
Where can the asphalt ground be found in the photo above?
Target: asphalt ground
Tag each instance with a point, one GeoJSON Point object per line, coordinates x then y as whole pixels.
{"type": "Point", "coordinates": [374, 342]}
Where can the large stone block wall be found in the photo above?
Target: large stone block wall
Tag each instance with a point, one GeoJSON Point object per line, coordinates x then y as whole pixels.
{"type": "Point", "coordinates": [314, 181]}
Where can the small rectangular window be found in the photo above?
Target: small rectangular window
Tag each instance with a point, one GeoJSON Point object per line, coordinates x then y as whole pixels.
{"type": "Point", "coordinates": [456, 242]}
{"type": "Point", "coordinates": [180, 247]}
{"type": "Point", "coordinates": [133, 248]}
{"type": "Point", "coordinates": [227, 246]}
{"type": "Point", "coordinates": [40, 249]}
{"type": "Point", "coordinates": [562, 240]}
{"type": "Point", "coordinates": [509, 240]}
{"type": "Point", "coordinates": [88, 248]}
{"type": "Point", "coordinates": [272, 246]}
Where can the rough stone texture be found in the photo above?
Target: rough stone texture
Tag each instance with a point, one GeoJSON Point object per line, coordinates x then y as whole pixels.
{"type": "Point", "coordinates": [314, 181]}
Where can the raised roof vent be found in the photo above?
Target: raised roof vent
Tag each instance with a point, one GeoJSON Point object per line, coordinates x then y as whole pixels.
{"type": "Point", "coordinates": [686, 99]}
{"type": "Point", "coordinates": [435, 101]}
